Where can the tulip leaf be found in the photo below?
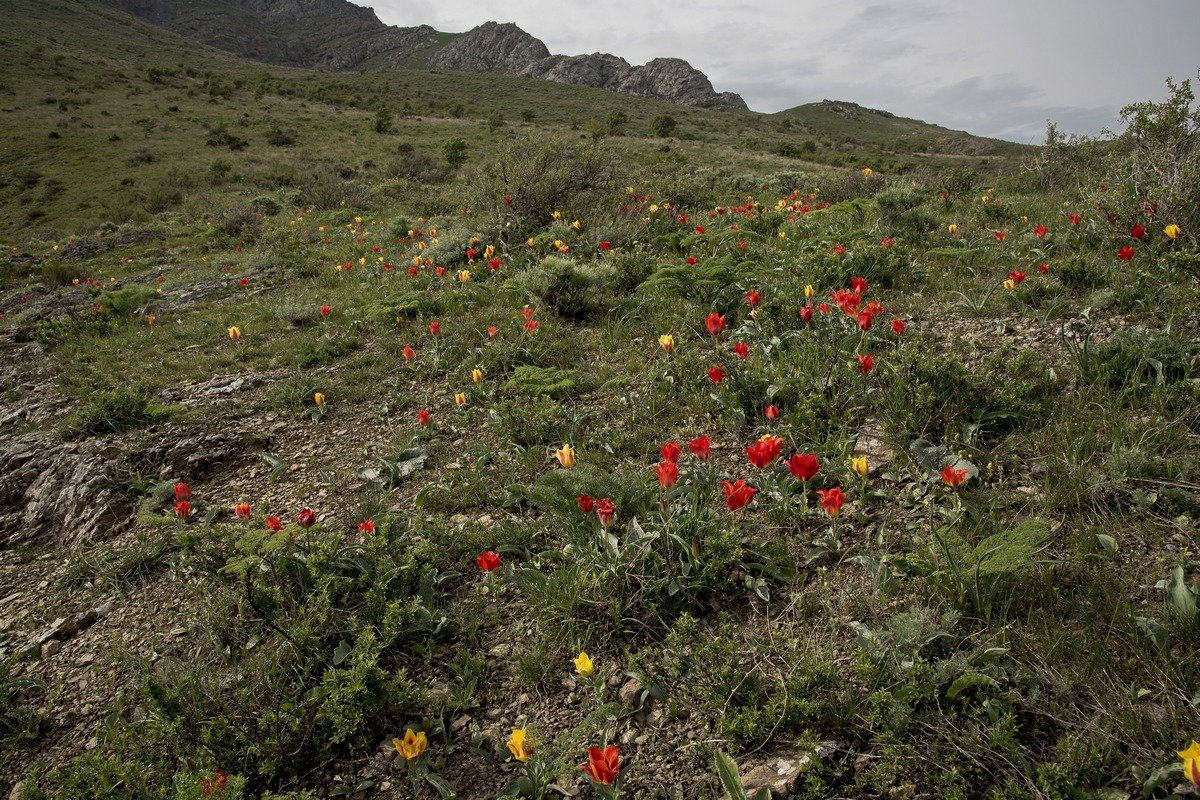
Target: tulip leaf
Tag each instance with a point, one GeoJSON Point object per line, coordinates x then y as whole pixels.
{"type": "Point", "coordinates": [395, 470]}
{"type": "Point", "coordinates": [933, 458]}
{"type": "Point", "coordinates": [727, 771]}
{"type": "Point", "coordinates": [1107, 542]}
{"type": "Point", "coordinates": [442, 785]}
{"type": "Point", "coordinates": [341, 653]}
{"type": "Point", "coordinates": [1180, 596]}
{"type": "Point", "coordinates": [278, 466]}
{"type": "Point", "coordinates": [970, 680]}
{"type": "Point", "coordinates": [1155, 632]}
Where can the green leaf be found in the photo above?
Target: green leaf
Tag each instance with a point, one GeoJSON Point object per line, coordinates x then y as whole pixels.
{"type": "Point", "coordinates": [1155, 632]}
{"type": "Point", "coordinates": [1180, 596]}
{"type": "Point", "coordinates": [970, 680]}
{"type": "Point", "coordinates": [278, 466]}
{"type": "Point", "coordinates": [442, 785]}
{"type": "Point", "coordinates": [933, 458]}
{"type": "Point", "coordinates": [1107, 542]}
{"type": "Point", "coordinates": [341, 653]}
{"type": "Point", "coordinates": [727, 771]}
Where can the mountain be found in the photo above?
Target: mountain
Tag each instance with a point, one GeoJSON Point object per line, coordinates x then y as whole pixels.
{"type": "Point", "coordinates": [339, 35]}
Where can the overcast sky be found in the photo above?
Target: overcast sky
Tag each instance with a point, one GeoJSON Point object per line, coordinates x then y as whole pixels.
{"type": "Point", "coordinates": [992, 67]}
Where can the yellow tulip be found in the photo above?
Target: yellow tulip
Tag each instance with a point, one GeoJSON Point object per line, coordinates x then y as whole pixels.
{"type": "Point", "coordinates": [654, 208]}
{"type": "Point", "coordinates": [489, 251]}
{"type": "Point", "coordinates": [583, 664]}
{"type": "Point", "coordinates": [319, 399]}
{"type": "Point", "coordinates": [1010, 284]}
{"type": "Point", "coordinates": [565, 456]}
{"type": "Point", "coordinates": [460, 398]}
{"type": "Point", "coordinates": [867, 171]}
{"type": "Point", "coordinates": [953, 228]}
{"type": "Point", "coordinates": [1191, 762]}
{"type": "Point", "coordinates": [235, 332]}
{"type": "Point", "coordinates": [809, 291]}
{"type": "Point", "coordinates": [556, 215]}
{"type": "Point", "coordinates": [1172, 231]}
{"type": "Point", "coordinates": [477, 375]}
{"type": "Point", "coordinates": [358, 220]}
{"type": "Point", "coordinates": [362, 261]}
{"type": "Point", "coordinates": [412, 745]}
{"type": "Point", "coordinates": [859, 465]}
{"type": "Point", "coordinates": [984, 199]}
{"type": "Point", "coordinates": [464, 276]}
{"type": "Point", "coordinates": [521, 744]}
{"type": "Point", "coordinates": [666, 342]}
{"type": "Point", "coordinates": [575, 224]}
{"type": "Point", "coordinates": [530, 242]}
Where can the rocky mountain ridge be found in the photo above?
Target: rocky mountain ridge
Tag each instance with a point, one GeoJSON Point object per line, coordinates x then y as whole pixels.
{"type": "Point", "coordinates": [339, 35]}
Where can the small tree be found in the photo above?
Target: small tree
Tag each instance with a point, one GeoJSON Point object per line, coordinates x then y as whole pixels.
{"type": "Point", "coordinates": [616, 122]}
{"type": "Point", "coordinates": [495, 121]}
{"type": "Point", "coordinates": [383, 120]}
{"type": "Point", "coordinates": [455, 152]}
{"type": "Point", "coordinates": [663, 126]}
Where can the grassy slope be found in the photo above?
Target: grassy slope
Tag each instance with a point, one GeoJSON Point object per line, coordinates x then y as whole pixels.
{"type": "Point", "coordinates": [1078, 695]}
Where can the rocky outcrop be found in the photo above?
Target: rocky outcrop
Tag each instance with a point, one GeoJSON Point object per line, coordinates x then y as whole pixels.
{"type": "Point", "coordinates": [491, 47]}
{"type": "Point", "coordinates": [336, 34]}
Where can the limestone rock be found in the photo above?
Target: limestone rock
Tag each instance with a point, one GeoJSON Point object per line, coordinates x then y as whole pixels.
{"type": "Point", "coordinates": [491, 47]}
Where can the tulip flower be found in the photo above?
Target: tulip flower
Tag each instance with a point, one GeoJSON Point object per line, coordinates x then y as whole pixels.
{"type": "Point", "coordinates": [235, 332]}
{"type": "Point", "coordinates": [741, 349]}
{"type": "Point", "coordinates": [867, 171]}
{"type": "Point", "coordinates": [460, 398]}
{"type": "Point", "coordinates": [565, 456]}
{"type": "Point", "coordinates": [606, 245]}
{"type": "Point", "coordinates": [527, 312]}
{"type": "Point", "coordinates": [666, 342]}
{"type": "Point", "coordinates": [1009, 284]}
{"type": "Point", "coordinates": [1075, 218]}
{"type": "Point", "coordinates": [242, 510]}
{"type": "Point", "coordinates": [691, 261]}
{"type": "Point", "coordinates": [863, 320]}
{"type": "Point", "coordinates": [898, 327]}
{"type": "Point", "coordinates": [477, 375]}
{"type": "Point", "coordinates": [605, 512]}
{"type": "Point", "coordinates": [999, 235]}
{"type": "Point", "coordinates": [1191, 762]}
{"type": "Point", "coordinates": [325, 311]}
{"type": "Point", "coordinates": [412, 746]}
{"type": "Point", "coordinates": [367, 526]}
{"type": "Point", "coordinates": [668, 474]}
{"type": "Point", "coordinates": [1016, 277]}
{"type": "Point", "coordinates": [764, 451]}
{"type": "Point", "coordinates": [183, 491]}
{"type": "Point", "coordinates": [319, 399]}
{"type": "Point", "coordinates": [583, 664]}
{"type": "Point", "coordinates": [670, 451]}
{"type": "Point", "coordinates": [866, 363]}
{"type": "Point", "coordinates": [953, 477]}
{"type": "Point", "coordinates": [492, 331]}
{"type": "Point", "coordinates": [464, 276]}
{"type": "Point", "coordinates": [716, 374]}
{"type": "Point", "coordinates": [1125, 253]}
{"type": "Point", "coordinates": [1040, 231]}
{"type": "Point", "coordinates": [603, 766]}
{"type": "Point", "coordinates": [531, 325]}
{"type": "Point", "coordinates": [803, 466]}
{"type": "Point", "coordinates": [839, 249]}
{"type": "Point", "coordinates": [1172, 231]}
{"type": "Point", "coordinates": [423, 416]}
{"type": "Point", "coordinates": [859, 466]}
{"type": "Point", "coordinates": [1137, 232]}
{"type": "Point", "coordinates": [521, 744]}
{"type": "Point", "coordinates": [435, 328]}
{"type": "Point", "coordinates": [809, 291]}
{"type": "Point", "coordinates": [1043, 268]}
{"type": "Point", "coordinates": [306, 518]}
{"type": "Point", "coordinates": [771, 412]}
{"type": "Point", "coordinates": [701, 447]}
{"type": "Point", "coordinates": [831, 500]}
{"type": "Point", "coordinates": [806, 314]}
{"type": "Point", "coordinates": [151, 319]}
{"type": "Point", "coordinates": [858, 285]}
{"type": "Point", "coordinates": [738, 494]}
{"type": "Point", "coordinates": [753, 298]}
{"type": "Point", "coordinates": [585, 503]}
{"type": "Point", "coordinates": [715, 323]}
{"type": "Point", "coordinates": [488, 560]}
{"type": "Point", "coordinates": [952, 228]}
{"type": "Point", "coordinates": [183, 509]}
{"type": "Point", "coordinates": [274, 523]}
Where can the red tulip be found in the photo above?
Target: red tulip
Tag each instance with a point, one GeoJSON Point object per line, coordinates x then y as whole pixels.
{"type": "Point", "coordinates": [244, 281]}
{"type": "Point", "coordinates": [603, 766]}
{"type": "Point", "coordinates": [1125, 254]}
{"type": "Point", "coordinates": [530, 325]}
{"type": "Point", "coordinates": [999, 235]}
{"type": "Point", "coordinates": [886, 242]}
{"type": "Point", "coordinates": [412, 272]}
{"type": "Point", "coordinates": [691, 261]}
{"type": "Point", "coordinates": [701, 447]}
{"type": "Point", "coordinates": [367, 526]}
{"type": "Point", "coordinates": [668, 474]}
{"type": "Point", "coordinates": [470, 254]}
{"type": "Point", "coordinates": [325, 310]}
{"type": "Point", "coordinates": [715, 323]}
{"type": "Point", "coordinates": [864, 321]}
{"type": "Point", "coordinates": [764, 451]}
{"type": "Point", "coordinates": [492, 330]}
{"type": "Point", "coordinates": [823, 308]}
{"type": "Point", "coordinates": [183, 491]}
{"type": "Point", "coordinates": [606, 245]}
{"type": "Point", "coordinates": [440, 272]}
{"type": "Point", "coordinates": [716, 374]}
{"type": "Point", "coordinates": [1016, 277]}
{"type": "Point", "coordinates": [803, 466]}
{"type": "Point", "coordinates": [839, 249]}
{"type": "Point", "coordinates": [866, 364]}
{"type": "Point", "coordinates": [741, 349]}
{"type": "Point", "coordinates": [605, 512]}
{"type": "Point", "coordinates": [488, 560]}
{"type": "Point", "coordinates": [699, 230]}
{"type": "Point", "coordinates": [527, 312]}
{"type": "Point", "coordinates": [898, 327]}
{"type": "Point", "coordinates": [753, 297]}
{"type": "Point", "coordinates": [241, 510]}
{"type": "Point", "coordinates": [409, 353]}
{"type": "Point", "coordinates": [738, 494]}
{"type": "Point", "coordinates": [806, 314]}
{"type": "Point", "coordinates": [1040, 231]}
{"type": "Point", "coordinates": [183, 509]}
{"type": "Point", "coordinates": [670, 451]}
{"type": "Point", "coordinates": [274, 523]}
{"type": "Point", "coordinates": [831, 500]}
{"type": "Point", "coordinates": [1075, 218]}
{"type": "Point", "coordinates": [307, 517]}
{"type": "Point", "coordinates": [494, 264]}
{"type": "Point", "coordinates": [585, 503]}
{"type": "Point", "coordinates": [1043, 268]}
{"type": "Point", "coordinates": [858, 285]}
{"type": "Point", "coordinates": [953, 477]}
{"type": "Point", "coordinates": [1137, 232]}
{"type": "Point", "coordinates": [771, 412]}
{"type": "Point", "coordinates": [435, 328]}
{"type": "Point", "coordinates": [423, 416]}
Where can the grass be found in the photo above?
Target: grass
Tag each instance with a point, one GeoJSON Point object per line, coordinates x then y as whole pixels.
{"type": "Point", "coordinates": [1002, 639]}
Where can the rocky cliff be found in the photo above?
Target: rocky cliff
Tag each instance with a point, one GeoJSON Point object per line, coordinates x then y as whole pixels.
{"type": "Point", "coordinates": [336, 34]}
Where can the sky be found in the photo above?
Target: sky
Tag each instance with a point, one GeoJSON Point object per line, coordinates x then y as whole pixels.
{"type": "Point", "coordinates": [998, 68]}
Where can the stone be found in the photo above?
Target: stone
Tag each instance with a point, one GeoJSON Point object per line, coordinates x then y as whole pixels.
{"type": "Point", "coordinates": [780, 775]}
{"type": "Point", "coordinates": [51, 648]}
{"type": "Point", "coordinates": [630, 691]}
